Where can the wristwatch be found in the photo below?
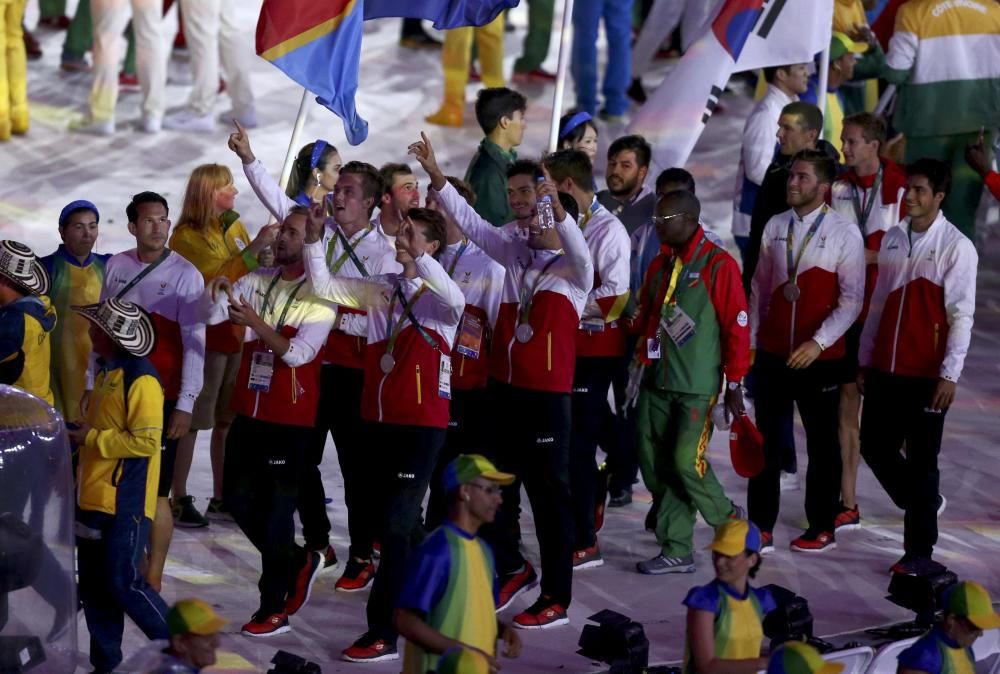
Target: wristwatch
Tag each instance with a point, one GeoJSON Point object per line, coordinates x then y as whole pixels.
{"type": "Point", "coordinates": [733, 385]}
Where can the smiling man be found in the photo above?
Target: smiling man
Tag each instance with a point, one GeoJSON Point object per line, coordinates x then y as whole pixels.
{"type": "Point", "coordinates": [628, 197]}
{"type": "Point", "coordinates": [76, 275]}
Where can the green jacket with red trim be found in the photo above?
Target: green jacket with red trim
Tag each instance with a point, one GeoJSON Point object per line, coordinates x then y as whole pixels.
{"type": "Point", "coordinates": [710, 291]}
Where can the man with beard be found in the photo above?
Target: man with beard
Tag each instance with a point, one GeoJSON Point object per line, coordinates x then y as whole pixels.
{"type": "Point", "coordinates": [806, 292]}
{"type": "Point", "coordinates": [628, 197]}
{"type": "Point", "coordinates": [275, 399]}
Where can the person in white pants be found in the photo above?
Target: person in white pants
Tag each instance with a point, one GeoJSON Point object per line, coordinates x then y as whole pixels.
{"type": "Point", "coordinates": [109, 20]}
{"type": "Point", "coordinates": [213, 35]}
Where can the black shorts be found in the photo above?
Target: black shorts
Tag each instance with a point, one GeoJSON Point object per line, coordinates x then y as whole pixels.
{"type": "Point", "coordinates": [168, 455]}
{"type": "Point", "coordinates": [852, 343]}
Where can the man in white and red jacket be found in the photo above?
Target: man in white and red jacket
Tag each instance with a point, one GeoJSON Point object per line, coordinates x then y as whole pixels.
{"type": "Point", "coordinates": [170, 288]}
{"type": "Point", "coordinates": [600, 341]}
{"type": "Point", "coordinates": [471, 422]}
{"type": "Point", "coordinates": [549, 276]}
{"type": "Point", "coordinates": [275, 399]}
{"type": "Point", "coordinates": [871, 193]}
{"type": "Point", "coordinates": [912, 351]}
{"type": "Point", "coordinates": [806, 292]}
{"type": "Point", "coordinates": [353, 247]}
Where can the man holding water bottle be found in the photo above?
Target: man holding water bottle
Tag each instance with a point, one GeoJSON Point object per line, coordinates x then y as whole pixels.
{"type": "Point", "coordinates": [693, 330]}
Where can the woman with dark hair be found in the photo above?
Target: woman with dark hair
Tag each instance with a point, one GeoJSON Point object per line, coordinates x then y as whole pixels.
{"type": "Point", "coordinates": [725, 618]}
{"type": "Point", "coordinates": [314, 174]}
{"type": "Point", "coordinates": [577, 131]}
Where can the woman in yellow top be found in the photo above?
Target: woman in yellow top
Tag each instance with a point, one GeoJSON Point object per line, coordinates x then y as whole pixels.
{"type": "Point", "coordinates": [210, 235]}
{"type": "Point", "coordinates": [725, 618]}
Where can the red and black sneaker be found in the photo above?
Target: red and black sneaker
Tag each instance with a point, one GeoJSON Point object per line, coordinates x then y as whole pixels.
{"type": "Point", "coordinates": [814, 540]}
{"type": "Point", "coordinates": [543, 614]}
{"type": "Point", "coordinates": [847, 519]}
{"type": "Point", "coordinates": [370, 648]}
{"type": "Point", "coordinates": [513, 584]}
{"type": "Point", "coordinates": [266, 625]}
{"type": "Point", "coordinates": [329, 558]}
{"type": "Point", "coordinates": [588, 558]}
{"type": "Point", "coordinates": [766, 543]}
{"type": "Point", "coordinates": [303, 582]}
{"type": "Point", "coordinates": [376, 549]}
{"type": "Point", "coordinates": [358, 574]}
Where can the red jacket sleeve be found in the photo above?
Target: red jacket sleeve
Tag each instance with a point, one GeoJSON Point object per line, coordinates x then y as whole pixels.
{"type": "Point", "coordinates": [992, 181]}
{"type": "Point", "coordinates": [730, 302]}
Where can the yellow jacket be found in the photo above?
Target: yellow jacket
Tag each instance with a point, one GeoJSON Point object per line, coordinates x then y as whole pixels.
{"type": "Point", "coordinates": [218, 249]}
{"type": "Point", "coordinates": [120, 458]}
{"type": "Point", "coordinates": [26, 325]}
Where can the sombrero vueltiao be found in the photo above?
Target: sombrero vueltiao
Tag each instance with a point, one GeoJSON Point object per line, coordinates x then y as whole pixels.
{"type": "Point", "coordinates": [22, 267]}
{"type": "Point", "coordinates": [126, 323]}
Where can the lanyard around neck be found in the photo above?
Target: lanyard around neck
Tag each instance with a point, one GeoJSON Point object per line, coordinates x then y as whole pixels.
{"type": "Point", "coordinates": [458, 255]}
{"type": "Point", "coordinates": [144, 273]}
{"type": "Point", "coordinates": [348, 251]}
{"type": "Point", "coordinates": [793, 264]}
{"type": "Point", "coordinates": [406, 313]}
{"type": "Point", "coordinates": [526, 299]}
{"type": "Point", "coordinates": [862, 213]}
{"type": "Point", "coordinates": [288, 301]}
{"type": "Point", "coordinates": [675, 274]}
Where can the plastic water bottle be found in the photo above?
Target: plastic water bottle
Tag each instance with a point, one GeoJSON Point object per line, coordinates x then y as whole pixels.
{"type": "Point", "coordinates": [721, 419]}
{"type": "Point", "coordinates": [543, 207]}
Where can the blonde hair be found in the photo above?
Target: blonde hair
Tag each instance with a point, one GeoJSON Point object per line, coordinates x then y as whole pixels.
{"type": "Point", "coordinates": [199, 197]}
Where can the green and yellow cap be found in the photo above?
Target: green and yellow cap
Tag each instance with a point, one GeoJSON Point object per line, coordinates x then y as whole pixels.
{"type": "Point", "coordinates": [467, 467]}
{"type": "Point", "coordinates": [841, 44]}
{"type": "Point", "coordinates": [735, 536]}
{"type": "Point", "coordinates": [971, 601]}
{"type": "Point", "coordinates": [193, 616]}
{"type": "Point", "coordinates": [796, 657]}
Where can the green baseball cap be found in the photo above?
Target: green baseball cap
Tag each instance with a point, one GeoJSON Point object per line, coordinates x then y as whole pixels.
{"type": "Point", "coordinates": [971, 601]}
{"type": "Point", "coordinates": [467, 467]}
{"type": "Point", "coordinates": [193, 616]}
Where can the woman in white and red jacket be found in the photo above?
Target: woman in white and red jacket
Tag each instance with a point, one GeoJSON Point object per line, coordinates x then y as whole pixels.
{"type": "Point", "coordinates": [412, 321]}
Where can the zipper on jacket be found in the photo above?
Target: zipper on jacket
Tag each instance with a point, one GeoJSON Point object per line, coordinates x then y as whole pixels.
{"type": "Point", "coordinates": [937, 335]}
{"type": "Point", "coordinates": [895, 334]}
{"type": "Point", "coordinates": [791, 329]}
{"type": "Point", "coordinates": [419, 396]}
{"type": "Point", "coordinates": [295, 388]}
{"type": "Point", "coordinates": [116, 474]}
{"type": "Point", "coordinates": [461, 365]}
{"type": "Point", "coordinates": [381, 382]}
{"type": "Point", "coordinates": [256, 404]}
{"type": "Point", "coordinates": [548, 350]}
{"type": "Point", "coordinates": [510, 360]}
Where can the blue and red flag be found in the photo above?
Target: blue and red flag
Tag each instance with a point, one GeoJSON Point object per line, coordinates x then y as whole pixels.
{"type": "Point", "coordinates": [317, 43]}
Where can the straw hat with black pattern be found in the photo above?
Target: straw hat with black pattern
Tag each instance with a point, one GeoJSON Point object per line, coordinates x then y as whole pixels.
{"type": "Point", "coordinates": [125, 322]}
{"type": "Point", "coordinates": [19, 265]}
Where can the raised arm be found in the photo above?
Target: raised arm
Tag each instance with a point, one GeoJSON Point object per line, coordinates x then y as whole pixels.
{"type": "Point", "coordinates": [347, 292]}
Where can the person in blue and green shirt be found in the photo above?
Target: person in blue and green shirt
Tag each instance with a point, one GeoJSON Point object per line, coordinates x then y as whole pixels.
{"type": "Point", "coordinates": [76, 273]}
{"type": "Point", "coordinates": [500, 113]}
{"type": "Point", "coordinates": [725, 618]}
{"type": "Point", "coordinates": [447, 609]}
{"type": "Point", "coordinates": [947, 649]}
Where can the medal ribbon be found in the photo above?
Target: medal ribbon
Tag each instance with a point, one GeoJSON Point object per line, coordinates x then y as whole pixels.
{"type": "Point", "coordinates": [524, 305]}
{"type": "Point", "coordinates": [288, 301]}
{"type": "Point", "coordinates": [793, 265]}
{"type": "Point", "coordinates": [863, 213]}
{"type": "Point", "coordinates": [407, 313]}
{"type": "Point", "coordinates": [348, 252]}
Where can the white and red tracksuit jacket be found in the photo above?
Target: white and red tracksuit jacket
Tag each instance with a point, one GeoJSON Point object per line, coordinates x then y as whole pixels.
{"type": "Point", "coordinates": [890, 211]}
{"type": "Point", "coordinates": [408, 394]}
{"type": "Point", "coordinates": [346, 344]}
{"type": "Point", "coordinates": [610, 251]}
{"type": "Point", "coordinates": [293, 395]}
{"type": "Point", "coordinates": [547, 361]}
{"type": "Point", "coordinates": [481, 281]}
{"type": "Point", "coordinates": [171, 293]}
{"type": "Point", "coordinates": [920, 323]}
{"type": "Point", "coordinates": [831, 280]}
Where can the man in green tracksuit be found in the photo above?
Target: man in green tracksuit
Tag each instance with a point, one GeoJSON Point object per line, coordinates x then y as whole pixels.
{"type": "Point", "coordinates": [693, 323]}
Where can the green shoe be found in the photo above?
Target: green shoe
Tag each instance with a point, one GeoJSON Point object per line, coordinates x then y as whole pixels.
{"type": "Point", "coordinates": [186, 515]}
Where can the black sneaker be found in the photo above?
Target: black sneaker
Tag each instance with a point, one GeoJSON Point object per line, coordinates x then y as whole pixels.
{"type": "Point", "coordinates": [186, 515]}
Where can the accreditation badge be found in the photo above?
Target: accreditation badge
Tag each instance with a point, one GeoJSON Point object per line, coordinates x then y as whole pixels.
{"type": "Point", "coordinates": [470, 336]}
{"type": "Point", "coordinates": [678, 326]}
{"type": "Point", "coordinates": [444, 377]}
{"type": "Point", "coordinates": [261, 371]}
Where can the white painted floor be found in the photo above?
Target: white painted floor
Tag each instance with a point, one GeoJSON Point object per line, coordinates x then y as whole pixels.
{"type": "Point", "coordinates": [49, 167]}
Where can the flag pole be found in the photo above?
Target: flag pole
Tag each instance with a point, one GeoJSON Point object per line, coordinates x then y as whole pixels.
{"type": "Point", "coordinates": [824, 77]}
{"type": "Point", "coordinates": [565, 38]}
{"type": "Point", "coordinates": [293, 143]}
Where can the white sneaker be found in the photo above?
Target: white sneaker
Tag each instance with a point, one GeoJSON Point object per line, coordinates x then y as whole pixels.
{"type": "Point", "coordinates": [93, 127]}
{"type": "Point", "coordinates": [247, 118]}
{"type": "Point", "coordinates": [789, 481]}
{"type": "Point", "coordinates": [150, 124]}
{"type": "Point", "coordinates": [188, 120]}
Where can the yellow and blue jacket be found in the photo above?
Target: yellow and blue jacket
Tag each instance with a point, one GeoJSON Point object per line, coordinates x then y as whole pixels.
{"type": "Point", "coordinates": [26, 325]}
{"type": "Point", "coordinates": [120, 458]}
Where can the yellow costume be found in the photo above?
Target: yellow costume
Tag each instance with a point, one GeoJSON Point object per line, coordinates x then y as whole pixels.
{"type": "Point", "coordinates": [456, 56]}
{"type": "Point", "coordinates": [13, 70]}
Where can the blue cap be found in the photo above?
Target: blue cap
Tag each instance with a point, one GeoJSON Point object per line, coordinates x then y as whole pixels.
{"type": "Point", "coordinates": [74, 206]}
